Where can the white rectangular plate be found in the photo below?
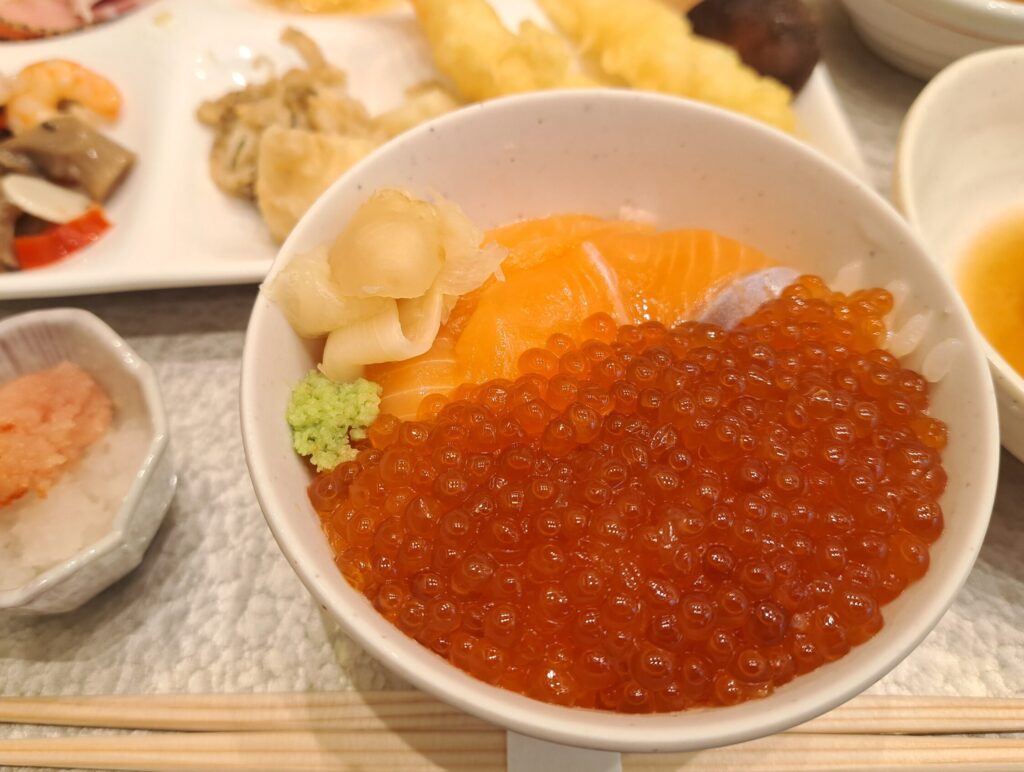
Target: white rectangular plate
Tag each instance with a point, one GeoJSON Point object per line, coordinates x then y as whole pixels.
{"type": "Point", "coordinates": [172, 226]}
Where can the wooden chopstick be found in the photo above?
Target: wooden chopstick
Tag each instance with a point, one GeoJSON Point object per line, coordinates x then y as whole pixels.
{"type": "Point", "coordinates": [398, 711]}
{"type": "Point", "coordinates": [877, 714]}
{"type": "Point", "coordinates": [785, 752]}
{"type": "Point", "coordinates": [306, 751]}
{"type": "Point", "coordinates": [408, 711]}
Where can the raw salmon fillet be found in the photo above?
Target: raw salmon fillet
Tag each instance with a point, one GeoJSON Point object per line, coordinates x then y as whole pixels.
{"type": "Point", "coordinates": [532, 242]}
{"type": "Point", "coordinates": [47, 420]}
{"type": "Point", "coordinates": [559, 271]}
{"type": "Point", "coordinates": [666, 277]}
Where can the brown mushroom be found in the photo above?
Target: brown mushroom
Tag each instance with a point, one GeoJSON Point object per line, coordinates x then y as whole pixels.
{"type": "Point", "coordinates": [778, 38]}
{"type": "Point", "coordinates": [9, 215]}
{"type": "Point", "coordinates": [67, 151]}
{"type": "Point", "coordinates": [12, 162]}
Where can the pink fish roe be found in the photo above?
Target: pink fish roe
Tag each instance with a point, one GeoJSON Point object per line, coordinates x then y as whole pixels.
{"type": "Point", "coordinates": [47, 420]}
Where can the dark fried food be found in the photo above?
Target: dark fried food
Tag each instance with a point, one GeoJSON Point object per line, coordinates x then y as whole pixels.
{"type": "Point", "coordinates": [778, 38]}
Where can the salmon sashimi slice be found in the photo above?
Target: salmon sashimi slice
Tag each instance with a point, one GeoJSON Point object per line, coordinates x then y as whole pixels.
{"type": "Point", "coordinates": [532, 242]}
{"type": "Point", "coordinates": [486, 333]}
{"type": "Point", "coordinates": [559, 226]}
{"type": "Point", "coordinates": [666, 277]}
{"type": "Point", "coordinates": [405, 384]}
{"type": "Point", "coordinates": [529, 306]}
{"type": "Point", "coordinates": [559, 271]}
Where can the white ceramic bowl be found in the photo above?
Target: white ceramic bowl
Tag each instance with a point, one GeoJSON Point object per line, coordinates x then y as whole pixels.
{"type": "Point", "coordinates": [921, 37]}
{"type": "Point", "coordinates": [960, 167]}
{"type": "Point", "coordinates": [690, 165]}
{"type": "Point", "coordinates": [40, 339]}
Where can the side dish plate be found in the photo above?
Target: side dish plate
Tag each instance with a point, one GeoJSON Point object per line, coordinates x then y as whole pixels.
{"type": "Point", "coordinates": [172, 226]}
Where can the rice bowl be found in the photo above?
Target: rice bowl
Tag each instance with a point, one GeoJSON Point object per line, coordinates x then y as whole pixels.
{"type": "Point", "coordinates": [699, 167]}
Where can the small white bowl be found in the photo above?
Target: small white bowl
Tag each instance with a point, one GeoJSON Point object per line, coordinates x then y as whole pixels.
{"type": "Point", "coordinates": [960, 166]}
{"type": "Point", "coordinates": [921, 37]}
{"type": "Point", "coordinates": [689, 165]}
{"type": "Point", "coordinates": [40, 339]}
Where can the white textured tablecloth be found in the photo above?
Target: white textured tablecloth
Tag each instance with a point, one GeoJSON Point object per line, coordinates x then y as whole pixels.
{"type": "Point", "coordinates": [215, 607]}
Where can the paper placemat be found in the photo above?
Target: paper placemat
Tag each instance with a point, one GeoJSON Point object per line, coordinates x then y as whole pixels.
{"type": "Point", "coordinates": [215, 606]}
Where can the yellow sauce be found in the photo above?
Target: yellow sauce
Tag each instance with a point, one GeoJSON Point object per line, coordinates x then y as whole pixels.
{"type": "Point", "coordinates": [992, 283]}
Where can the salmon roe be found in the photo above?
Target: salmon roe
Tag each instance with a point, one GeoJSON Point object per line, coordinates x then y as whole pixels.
{"type": "Point", "coordinates": [654, 519]}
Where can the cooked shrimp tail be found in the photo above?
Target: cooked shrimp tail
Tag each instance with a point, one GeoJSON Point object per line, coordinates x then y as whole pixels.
{"type": "Point", "coordinates": [42, 89]}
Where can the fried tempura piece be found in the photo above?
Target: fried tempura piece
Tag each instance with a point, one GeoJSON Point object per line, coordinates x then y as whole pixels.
{"type": "Point", "coordinates": [647, 45]}
{"type": "Point", "coordinates": [335, 6]}
{"type": "Point", "coordinates": [312, 98]}
{"type": "Point", "coordinates": [423, 103]}
{"type": "Point", "coordinates": [295, 166]}
{"type": "Point", "coordinates": [484, 59]}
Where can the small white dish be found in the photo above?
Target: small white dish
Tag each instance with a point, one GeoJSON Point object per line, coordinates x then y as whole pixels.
{"type": "Point", "coordinates": [39, 339]}
{"type": "Point", "coordinates": [960, 167]}
{"type": "Point", "coordinates": [921, 37]}
{"type": "Point", "coordinates": [696, 166]}
{"type": "Point", "coordinates": [172, 226]}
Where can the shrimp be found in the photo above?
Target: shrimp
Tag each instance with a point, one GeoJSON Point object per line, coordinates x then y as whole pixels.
{"type": "Point", "coordinates": [41, 88]}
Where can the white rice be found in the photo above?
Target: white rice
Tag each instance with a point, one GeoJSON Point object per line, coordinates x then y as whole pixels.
{"type": "Point", "coordinates": [38, 533]}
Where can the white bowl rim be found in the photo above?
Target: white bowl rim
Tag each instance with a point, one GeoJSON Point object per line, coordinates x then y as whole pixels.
{"type": "Point", "coordinates": [989, 19]}
{"type": "Point", "coordinates": [914, 126]}
{"type": "Point", "coordinates": [141, 371]}
{"type": "Point", "coordinates": [592, 728]}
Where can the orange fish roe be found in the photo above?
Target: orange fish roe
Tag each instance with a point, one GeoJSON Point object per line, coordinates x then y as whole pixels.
{"type": "Point", "coordinates": [654, 519]}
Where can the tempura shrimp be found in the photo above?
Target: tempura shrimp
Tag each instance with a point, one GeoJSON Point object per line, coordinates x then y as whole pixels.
{"type": "Point", "coordinates": [41, 89]}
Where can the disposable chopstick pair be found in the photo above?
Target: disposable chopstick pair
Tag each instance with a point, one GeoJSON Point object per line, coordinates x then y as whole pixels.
{"type": "Point", "coordinates": [415, 711]}
{"type": "Point", "coordinates": [410, 731]}
{"type": "Point", "coordinates": [433, 750]}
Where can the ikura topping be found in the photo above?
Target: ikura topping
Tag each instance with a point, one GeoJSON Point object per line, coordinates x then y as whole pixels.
{"type": "Point", "coordinates": [651, 519]}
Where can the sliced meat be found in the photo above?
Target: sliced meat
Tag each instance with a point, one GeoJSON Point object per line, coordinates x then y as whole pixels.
{"type": "Point", "coordinates": [38, 18]}
{"type": "Point", "coordinates": [106, 10]}
{"type": "Point", "coordinates": [26, 19]}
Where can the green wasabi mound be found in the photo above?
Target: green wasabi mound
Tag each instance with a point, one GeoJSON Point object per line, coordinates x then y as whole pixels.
{"type": "Point", "coordinates": [324, 416]}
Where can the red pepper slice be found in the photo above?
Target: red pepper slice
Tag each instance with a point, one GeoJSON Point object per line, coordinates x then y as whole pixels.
{"type": "Point", "coordinates": [60, 241]}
